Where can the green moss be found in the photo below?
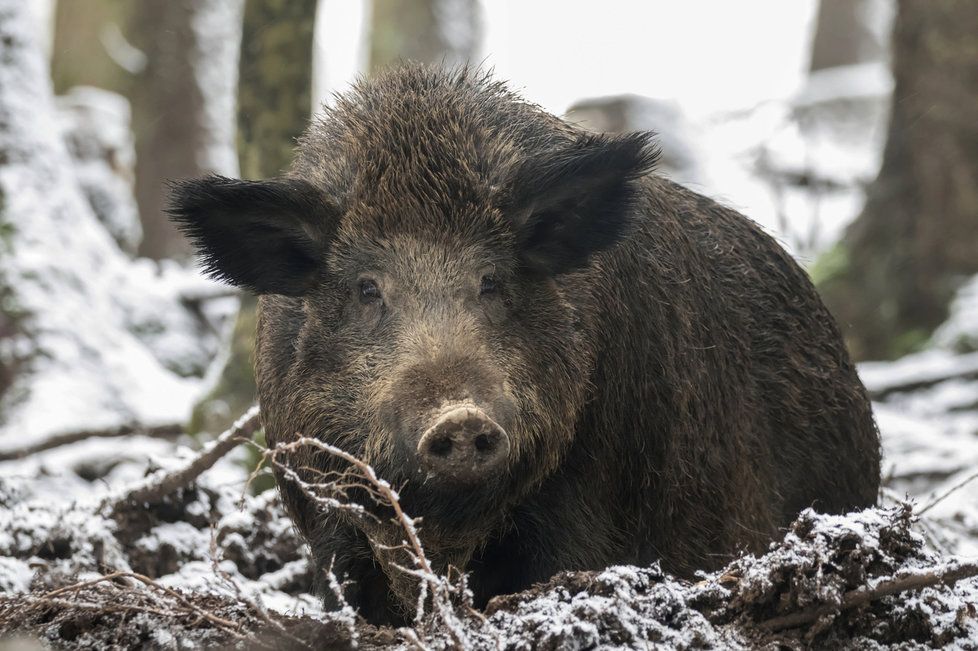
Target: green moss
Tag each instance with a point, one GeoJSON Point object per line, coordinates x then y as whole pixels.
{"type": "Point", "coordinates": [831, 265]}
{"type": "Point", "coordinates": [234, 391]}
{"type": "Point", "coordinates": [911, 341]}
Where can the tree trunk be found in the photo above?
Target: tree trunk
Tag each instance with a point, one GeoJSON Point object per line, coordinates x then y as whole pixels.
{"type": "Point", "coordinates": [843, 35]}
{"type": "Point", "coordinates": [274, 102]}
{"type": "Point", "coordinates": [895, 272]}
{"type": "Point", "coordinates": [175, 128]}
{"type": "Point", "coordinates": [87, 338]}
{"type": "Point", "coordinates": [443, 32]}
{"type": "Point", "coordinates": [176, 61]}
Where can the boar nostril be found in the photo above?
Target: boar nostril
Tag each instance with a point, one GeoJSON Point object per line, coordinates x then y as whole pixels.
{"type": "Point", "coordinates": [483, 443]}
{"type": "Point", "coordinates": [441, 446]}
{"type": "Point", "coordinates": [463, 446]}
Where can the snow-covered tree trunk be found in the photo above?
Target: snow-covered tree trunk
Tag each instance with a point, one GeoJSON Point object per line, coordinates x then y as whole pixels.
{"type": "Point", "coordinates": [184, 104]}
{"type": "Point", "coordinates": [88, 338]}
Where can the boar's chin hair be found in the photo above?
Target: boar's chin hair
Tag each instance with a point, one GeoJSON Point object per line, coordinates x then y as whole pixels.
{"type": "Point", "coordinates": [268, 237]}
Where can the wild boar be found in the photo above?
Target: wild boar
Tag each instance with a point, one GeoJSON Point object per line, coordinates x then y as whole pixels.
{"type": "Point", "coordinates": [563, 360]}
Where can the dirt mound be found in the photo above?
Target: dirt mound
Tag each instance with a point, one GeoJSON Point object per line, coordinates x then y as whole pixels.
{"type": "Point", "coordinates": [864, 579]}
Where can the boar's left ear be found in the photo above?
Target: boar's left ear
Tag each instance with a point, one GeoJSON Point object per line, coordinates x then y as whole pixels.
{"type": "Point", "coordinates": [568, 204]}
{"type": "Point", "coordinates": [265, 236]}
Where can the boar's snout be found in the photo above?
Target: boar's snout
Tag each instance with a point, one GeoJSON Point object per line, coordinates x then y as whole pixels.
{"type": "Point", "coordinates": [463, 446]}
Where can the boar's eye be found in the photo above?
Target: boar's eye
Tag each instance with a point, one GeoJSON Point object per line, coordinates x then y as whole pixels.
{"type": "Point", "coordinates": [369, 291]}
{"type": "Point", "coordinates": [487, 285]}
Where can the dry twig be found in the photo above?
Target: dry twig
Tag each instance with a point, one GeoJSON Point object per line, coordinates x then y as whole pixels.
{"type": "Point", "coordinates": [943, 496]}
{"type": "Point", "coordinates": [234, 628]}
{"type": "Point", "coordinates": [382, 492]}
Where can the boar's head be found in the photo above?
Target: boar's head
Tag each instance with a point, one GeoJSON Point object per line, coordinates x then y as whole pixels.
{"type": "Point", "coordinates": [426, 267]}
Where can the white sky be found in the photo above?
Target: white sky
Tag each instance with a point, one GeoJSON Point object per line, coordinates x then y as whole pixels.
{"type": "Point", "coordinates": [709, 55]}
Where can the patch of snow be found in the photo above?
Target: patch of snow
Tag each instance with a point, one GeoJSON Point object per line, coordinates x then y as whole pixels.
{"type": "Point", "coordinates": [871, 80]}
{"type": "Point", "coordinates": [960, 332]}
{"type": "Point", "coordinates": [95, 125]}
{"type": "Point", "coordinates": [15, 575]}
{"type": "Point", "coordinates": [102, 340]}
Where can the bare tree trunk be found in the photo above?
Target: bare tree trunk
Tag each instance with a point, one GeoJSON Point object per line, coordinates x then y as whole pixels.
{"type": "Point", "coordinates": [428, 31]}
{"type": "Point", "coordinates": [175, 127]}
{"type": "Point", "coordinates": [274, 101]}
{"type": "Point", "coordinates": [843, 35]}
{"type": "Point", "coordinates": [166, 105]}
{"type": "Point", "coordinates": [87, 33]}
{"type": "Point", "coordinates": [917, 238]}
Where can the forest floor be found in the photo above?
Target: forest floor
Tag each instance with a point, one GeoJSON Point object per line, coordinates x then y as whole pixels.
{"type": "Point", "coordinates": [143, 542]}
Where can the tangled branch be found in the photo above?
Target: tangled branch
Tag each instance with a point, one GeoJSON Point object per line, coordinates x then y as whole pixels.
{"type": "Point", "coordinates": [439, 588]}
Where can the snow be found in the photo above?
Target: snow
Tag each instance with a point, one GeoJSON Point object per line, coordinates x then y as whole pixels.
{"type": "Point", "coordinates": [95, 126]}
{"type": "Point", "coordinates": [103, 340]}
{"type": "Point", "coordinates": [927, 412]}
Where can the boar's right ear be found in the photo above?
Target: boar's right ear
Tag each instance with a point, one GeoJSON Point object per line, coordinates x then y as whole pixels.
{"type": "Point", "coordinates": [567, 204]}
{"type": "Point", "coordinates": [266, 236]}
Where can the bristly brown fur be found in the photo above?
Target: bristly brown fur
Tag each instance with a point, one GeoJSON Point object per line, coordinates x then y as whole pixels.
{"type": "Point", "coordinates": [672, 387]}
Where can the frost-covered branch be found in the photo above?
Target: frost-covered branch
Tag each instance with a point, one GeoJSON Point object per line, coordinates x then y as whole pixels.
{"type": "Point", "coordinates": [161, 484]}
{"type": "Point", "coordinates": [430, 584]}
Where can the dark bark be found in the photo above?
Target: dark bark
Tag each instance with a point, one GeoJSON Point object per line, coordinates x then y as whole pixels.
{"type": "Point", "coordinates": [917, 238]}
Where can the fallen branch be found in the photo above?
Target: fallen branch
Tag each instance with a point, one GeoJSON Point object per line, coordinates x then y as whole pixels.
{"type": "Point", "coordinates": [233, 628]}
{"type": "Point", "coordinates": [67, 438]}
{"type": "Point", "coordinates": [914, 580]}
{"type": "Point", "coordinates": [198, 295]}
{"type": "Point", "coordinates": [883, 380]}
{"type": "Point", "coordinates": [161, 484]}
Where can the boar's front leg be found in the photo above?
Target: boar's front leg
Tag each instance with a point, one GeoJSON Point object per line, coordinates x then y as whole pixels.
{"type": "Point", "coordinates": [345, 548]}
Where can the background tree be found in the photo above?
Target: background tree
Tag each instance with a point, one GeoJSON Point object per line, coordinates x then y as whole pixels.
{"type": "Point", "coordinates": [428, 31]}
{"type": "Point", "coordinates": [890, 280]}
{"type": "Point", "coordinates": [844, 34]}
{"type": "Point", "coordinates": [175, 60]}
{"type": "Point", "coordinates": [274, 102]}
